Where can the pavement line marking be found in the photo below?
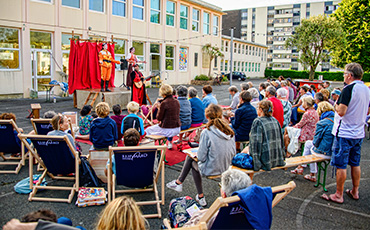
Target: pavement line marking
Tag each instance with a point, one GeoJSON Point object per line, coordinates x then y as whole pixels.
{"type": "Point", "coordinates": [302, 208]}
{"type": "Point", "coordinates": [333, 207]}
{"type": "Point", "coordinates": [6, 194]}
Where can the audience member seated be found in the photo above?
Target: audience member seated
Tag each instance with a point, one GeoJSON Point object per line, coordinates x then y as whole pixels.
{"type": "Point", "coordinates": [250, 84]}
{"type": "Point", "coordinates": [103, 131]}
{"type": "Point", "coordinates": [40, 224]}
{"type": "Point", "coordinates": [335, 95]}
{"type": "Point", "coordinates": [185, 110]}
{"type": "Point", "coordinates": [131, 137]}
{"type": "Point", "coordinates": [313, 90]}
{"type": "Point", "coordinates": [322, 141]}
{"type": "Point", "coordinates": [294, 90]}
{"type": "Point", "coordinates": [277, 106]}
{"type": "Point", "coordinates": [243, 119]}
{"type": "Point", "coordinates": [287, 107]}
{"type": "Point", "coordinates": [255, 97]}
{"type": "Point", "coordinates": [307, 123]}
{"type": "Point", "coordinates": [47, 115]}
{"type": "Point", "coordinates": [262, 89]}
{"type": "Point", "coordinates": [244, 86]}
{"type": "Point", "coordinates": [233, 91]}
{"type": "Point", "coordinates": [319, 97]}
{"type": "Point", "coordinates": [118, 117]}
{"type": "Point", "coordinates": [298, 108]}
{"type": "Point", "coordinates": [84, 122]}
{"type": "Point", "coordinates": [121, 213]}
{"type": "Point", "coordinates": [208, 98]}
{"type": "Point", "coordinates": [197, 108]}
{"type": "Point", "coordinates": [168, 115]}
{"type": "Point", "coordinates": [132, 120]}
{"type": "Point", "coordinates": [232, 180]}
{"type": "Point", "coordinates": [216, 150]}
{"type": "Point", "coordinates": [10, 116]}
{"type": "Point", "coordinates": [60, 125]}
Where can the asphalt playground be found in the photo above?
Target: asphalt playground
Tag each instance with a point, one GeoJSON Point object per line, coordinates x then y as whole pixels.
{"type": "Point", "coordinates": [301, 209]}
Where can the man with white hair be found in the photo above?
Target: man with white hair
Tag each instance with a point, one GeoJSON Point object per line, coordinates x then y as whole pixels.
{"type": "Point", "coordinates": [277, 106]}
{"type": "Point", "coordinates": [287, 107]}
{"type": "Point", "coordinates": [235, 101]}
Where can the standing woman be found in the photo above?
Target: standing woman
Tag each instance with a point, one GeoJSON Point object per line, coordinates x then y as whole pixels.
{"type": "Point", "coordinates": [132, 60]}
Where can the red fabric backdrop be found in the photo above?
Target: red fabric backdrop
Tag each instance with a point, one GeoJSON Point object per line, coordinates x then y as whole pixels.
{"type": "Point", "coordinates": [84, 69]}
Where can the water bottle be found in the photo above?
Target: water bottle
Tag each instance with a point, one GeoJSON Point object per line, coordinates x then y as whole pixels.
{"type": "Point", "coordinates": [55, 100]}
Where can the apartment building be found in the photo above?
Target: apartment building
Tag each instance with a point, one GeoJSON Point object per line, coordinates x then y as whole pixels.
{"type": "Point", "coordinates": [167, 34]}
{"type": "Point", "coordinates": [272, 25]}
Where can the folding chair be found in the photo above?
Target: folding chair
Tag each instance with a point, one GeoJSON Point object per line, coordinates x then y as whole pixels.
{"type": "Point", "coordinates": [230, 214]}
{"type": "Point", "coordinates": [135, 169]}
{"type": "Point", "coordinates": [9, 144]}
{"type": "Point", "coordinates": [56, 155]}
{"type": "Point", "coordinates": [41, 126]}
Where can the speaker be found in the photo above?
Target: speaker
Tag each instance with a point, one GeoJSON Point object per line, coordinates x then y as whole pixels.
{"type": "Point", "coordinates": [124, 64]}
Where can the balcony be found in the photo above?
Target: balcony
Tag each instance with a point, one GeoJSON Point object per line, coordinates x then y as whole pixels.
{"type": "Point", "coordinates": [283, 51]}
{"type": "Point", "coordinates": [281, 60]}
{"type": "Point", "coordinates": [283, 15]}
{"type": "Point", "coordinates": [279, 42]}
{"type": "Point", "coordinates": [285, 24]}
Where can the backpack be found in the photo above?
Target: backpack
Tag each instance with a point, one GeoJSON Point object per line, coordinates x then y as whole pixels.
{"type": "Point", "coordinates": [88, 177]}
{"type": "Point", "coordinates": [243, 160]}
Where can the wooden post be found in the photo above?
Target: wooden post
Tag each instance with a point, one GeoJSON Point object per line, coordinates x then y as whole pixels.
{"type": "Point", "coordinates": [36, 110]}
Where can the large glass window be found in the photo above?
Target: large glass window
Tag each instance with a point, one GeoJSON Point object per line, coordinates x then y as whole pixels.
{"type": "Point", "coordinates": [40, 40]}
{"type": "Point", "coordinates": [119, 8]}
{"type": "Point", "coordinates": [205, 23]}
{"type": "Point", "coordinates": [44, 0]}
{"type": "Point", "coordinates": [196, 18]}
{"type": "Point", "coordinates": [215, 25]}
{"type": "Point", "coordinates": [96, 5]}
{"type": "Point", "coordinates": [71, 3]}
{"type": "Point", "coordinates": [155, 57]}
{"type": "Point", "coordinates": [9, 48]}
{"type": "Point", "coordinates": [119, 51]}
{"type": "Point", "coordinates": [170, 13]}
{"type": "Point", "coordinates": [170, 58]}
{"type": "Point", "coordinates": [155, 11]}
{"type": "Point", "coordinates": [138, 9]}
{"type": "Point", "coordinates": [139, 52]}
{"type": "Point", "coordinates": [184, 17]}
{"type": "Point", "coordinates": [195, 59]}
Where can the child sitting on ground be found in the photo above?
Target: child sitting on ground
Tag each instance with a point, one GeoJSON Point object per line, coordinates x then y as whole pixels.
{"type": "Point", "coordinates": [118, 119]}
{"type": "Point", "coordinates": [84, 122]}
{"type": "Point", "coordinates": [132, 120]}
{"type": "Point", "coordinates": [103, 131]}
{"type": "Point", "coordinates": [131, 138]}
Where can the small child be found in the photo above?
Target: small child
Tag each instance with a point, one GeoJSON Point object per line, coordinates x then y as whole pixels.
{"type": "Point", "coordinates": [103, 131]}
{"type": "Point", "coordinates": [118, 119]}
{"type": "Point", "coordinates": [84, 122]}
{"type": "Point", "coordinates": [132, 120]}
{"type": "Point", "coordinates": [131, 138]}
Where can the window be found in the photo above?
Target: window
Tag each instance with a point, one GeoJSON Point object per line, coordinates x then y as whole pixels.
{"type": "Point", "coordinates": [183, 17]}
{"type": "Point", "coordinates": [234, 66]}
{"type": "Point", "coordinates": [196, 18]}
{"type": "Point", "coordinates": [44, 1]}
{"type": "Point", "coordinates": [71, 3]}
{"type": "Point", "coordinates": [170, 58]}
{"type": "Point", "coordinates": [40, 40]}
{"type": "Point", "coordinates": [239, 49]}
{"type": "Point", "coordinates": [170, 13]}
{"type": "Point", "coordinates": [119, 8]}
{"type": "Point", "coordinates": [138, 9]}
{"type": "Point", "coordinates": [246, 67]}
{"type": "Point", "coordinates": [119, 51]}
{"type": "Point", "coordinates": [66, 45]}
{"type": "Point", "coordinates": [226, 67]}
{"type": "Point", "coordinates": [222, 64]}
{"type": "Point", "coordinates": [259, 67]}
{"type": "Point", "coordinates": [205, 23]}
{"type": "Point", "coordinates": [155, 11]}
{"type": "Point", "coordinates": [215, 62]}
{"type": "Point", "coordinates": [226, 46]}
{"type": "Point", "coordinates": [195, 59]}
{"type": "Point", "coordinates": [242, 67]}
{"type": "Point", "coordinates": [249, 67]}
{"type": "Point", "coordinates": [235, 46]}
{"type": "Point", "coordinates": [96, 5]}
{"type": "Point", "coordinates": [139, 52]}
{"type": "Point", "coordinates": [215, 25]}
{"type": "Point", "coordinates": [9, 49]}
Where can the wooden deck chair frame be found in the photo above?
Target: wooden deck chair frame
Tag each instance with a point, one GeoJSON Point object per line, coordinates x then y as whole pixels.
{"type": "Point", "coordinates": [39, 120]}
{"type": "Point", "coordinates": [160, 170]}
{"type": "Point", "coordinates": [33, 153]}
{"type": "Point", "coordinates": [279, 191]}
{"type": "Point", "coordinates": [150, 113]}
{"type": "Point", "coordinates": [20, 161]}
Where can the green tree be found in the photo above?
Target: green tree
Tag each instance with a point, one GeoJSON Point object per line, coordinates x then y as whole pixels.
{"type": "Point", "coordinates": [212, 52]}
{"type": "Point", "coordinates": [354, 17]}
{"type": "Point", "coordinates": [315, 38]}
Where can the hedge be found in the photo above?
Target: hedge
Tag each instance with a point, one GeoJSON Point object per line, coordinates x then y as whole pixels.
{"type": "Point", "coordinates": [294, 74]}
{"type": "Point", "coordinates": [202, 77]}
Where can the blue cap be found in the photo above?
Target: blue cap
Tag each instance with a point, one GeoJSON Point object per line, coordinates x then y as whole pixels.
{"type": "Point", "coordinates": [336, 91]}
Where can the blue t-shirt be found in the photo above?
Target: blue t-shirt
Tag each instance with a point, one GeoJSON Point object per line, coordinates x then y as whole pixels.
{"type": "Point", "coordinates": [197, 110]}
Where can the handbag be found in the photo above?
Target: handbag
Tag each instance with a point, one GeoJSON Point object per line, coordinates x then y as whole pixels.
{"type": "Point", "coordinates": [243, 160]}
{"type": "Point", "coordinates": [23, 186]}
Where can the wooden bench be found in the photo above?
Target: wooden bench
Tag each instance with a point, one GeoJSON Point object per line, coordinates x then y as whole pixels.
{"type": "Point", "coordinates": [294, 162]}
{"type": "Point", "coordinates": [192, 129]}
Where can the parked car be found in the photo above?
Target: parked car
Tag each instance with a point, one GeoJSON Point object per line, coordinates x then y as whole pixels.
{"type": "Point", "coordinates": [240, 76]}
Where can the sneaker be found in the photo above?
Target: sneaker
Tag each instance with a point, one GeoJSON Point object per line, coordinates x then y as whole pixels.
{"type": "Point", "coordinates": [201, 201]}
{"type": "Point", "coordinates": [172, 185]}
{"type": "Point", "coordinates": [169, 145]}
{"type": "Point", "coordinates": [177, 141]}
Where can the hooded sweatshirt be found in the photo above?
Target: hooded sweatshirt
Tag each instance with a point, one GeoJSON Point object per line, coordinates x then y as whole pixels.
{"type": "Point", "coordinates": [103, 132]}
{"type": "Point", "coordinates": [216, 150]}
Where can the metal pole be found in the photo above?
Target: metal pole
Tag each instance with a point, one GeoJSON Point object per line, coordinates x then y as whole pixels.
{"type": "Point", "coordinates": [231, 55]}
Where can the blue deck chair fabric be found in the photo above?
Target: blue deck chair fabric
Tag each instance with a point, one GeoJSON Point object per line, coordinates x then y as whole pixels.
{"type": "Point", "coordinates": [55, 154]}
{"type": "Point", "coordinates": [43, 128]}
{"type": "Point", "coordinates": [9, 142]}
{"type": "Point", "coordinates": [134, 168]}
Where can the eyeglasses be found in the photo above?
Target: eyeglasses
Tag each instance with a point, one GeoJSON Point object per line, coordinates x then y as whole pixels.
{"type": "Point", "coordinates": [345, 73]}
{"type": "Point", "coordinates": [220, 185]}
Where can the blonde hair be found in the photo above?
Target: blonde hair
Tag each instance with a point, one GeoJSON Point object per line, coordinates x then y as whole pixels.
{"type": "Point", "coordinates": [266, 107]}
{"type": "Point", "coordinates": [133, 107]}
{"type": "Point", "coordinates": [326, 94]}
{"type": "Point", "coordinates": [121, 213]}
{"type": "Point", "coordinates": [308, 101]}
{"type": "Point", "coordinates": [57, 120]}
{"type": "Point", "coordinates": [165, 90]}
{"type": "Point", "coordinates": [102, 109]}
{"type": "Point", "coordinates": [214, 114]}
{"type": "Point", "coordinates": [323, 107]}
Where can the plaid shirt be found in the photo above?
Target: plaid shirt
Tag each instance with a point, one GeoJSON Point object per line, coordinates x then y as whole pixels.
{"type": "Point", "coordinates": [266, 144]}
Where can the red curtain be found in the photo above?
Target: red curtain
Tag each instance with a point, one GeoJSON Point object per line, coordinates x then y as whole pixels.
{"type": "Point", "coordinates": [84, 69]}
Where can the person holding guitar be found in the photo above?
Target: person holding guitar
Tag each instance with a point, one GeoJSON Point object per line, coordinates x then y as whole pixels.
{"type": "Point", "coordinates": [138, 93]}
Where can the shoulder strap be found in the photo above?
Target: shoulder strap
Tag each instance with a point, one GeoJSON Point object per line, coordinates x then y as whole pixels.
{"type": "Point", "coordinates": [329, 119]}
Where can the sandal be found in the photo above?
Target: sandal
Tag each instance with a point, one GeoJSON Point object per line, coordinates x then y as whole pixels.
{"type": "Point", "coordinates": [310, 177]}
{"type": "Point", "coordinates": [297, 170]}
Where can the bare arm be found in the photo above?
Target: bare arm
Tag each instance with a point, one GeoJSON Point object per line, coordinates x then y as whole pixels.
{"type": "Point", "coordinates": [341, 109]}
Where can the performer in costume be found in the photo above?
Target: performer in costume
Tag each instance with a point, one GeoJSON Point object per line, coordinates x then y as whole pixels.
{"type": "Point", "coordinates": [105, 62]}
{"type": "Point", "coordinates": [132, 60]}
{"type": "Point", "coordinates": [138, 92]}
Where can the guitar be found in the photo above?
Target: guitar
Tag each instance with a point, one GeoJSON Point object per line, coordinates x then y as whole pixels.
{"type": "Point", "coordinates": [141, 83]}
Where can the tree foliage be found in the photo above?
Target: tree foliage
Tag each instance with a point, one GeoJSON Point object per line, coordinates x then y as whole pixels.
{"type": "Point", "coordinates": [354, 17]}
{"type": "Point", "coordinates": [212, 52]}
{"type": "Point", "coordinates": [315, 38]}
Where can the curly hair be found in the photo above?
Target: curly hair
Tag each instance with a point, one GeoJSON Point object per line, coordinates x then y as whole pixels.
{"type": "Point", "coordinates": [102, 109]}
{"type": "Point", "coordinates": [8, 116]}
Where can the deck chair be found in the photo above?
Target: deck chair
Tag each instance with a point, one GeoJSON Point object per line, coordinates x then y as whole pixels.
{"type": "Point", "coordinates": [9, 144]}
{"type": "Point", "coordinates": [41, 126]}
{"type": "Point", "coordinates": [135, 169]}
{"type": "Point", "coordinates": [56, 155]}
{"type": "Point", "coordinates": [231, 215]}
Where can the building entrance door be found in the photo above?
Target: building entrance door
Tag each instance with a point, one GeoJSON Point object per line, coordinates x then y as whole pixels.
{"type": "Point", "coordinates": [41, 64]}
